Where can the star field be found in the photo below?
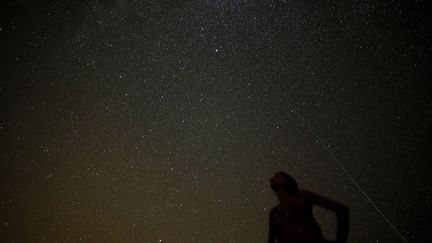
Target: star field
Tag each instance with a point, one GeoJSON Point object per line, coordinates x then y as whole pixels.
{"type": "Point", "coordinates": [162, 121]}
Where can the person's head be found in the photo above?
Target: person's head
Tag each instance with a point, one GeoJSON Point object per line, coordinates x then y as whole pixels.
{"type": "Point", "coordinates": [282, 183]}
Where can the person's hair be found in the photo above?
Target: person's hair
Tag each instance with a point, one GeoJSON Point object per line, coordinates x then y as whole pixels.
{"type": "Point", "coordinates": [291, 185]}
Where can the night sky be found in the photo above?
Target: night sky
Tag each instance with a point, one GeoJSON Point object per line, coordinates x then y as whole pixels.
{"type": "Point", "coordinates": [162, 121]}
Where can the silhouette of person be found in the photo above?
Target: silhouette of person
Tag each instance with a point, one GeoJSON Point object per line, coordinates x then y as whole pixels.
{"type": "Point", "coordinates": [292, 221]}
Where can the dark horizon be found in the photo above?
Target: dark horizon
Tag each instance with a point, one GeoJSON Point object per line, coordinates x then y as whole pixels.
{"type": "Point", "coordinates": [163, 121]}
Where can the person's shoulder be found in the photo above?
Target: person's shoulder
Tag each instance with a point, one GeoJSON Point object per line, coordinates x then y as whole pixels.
{"type": "Point", "coordinates": [324, 201]}
{"type": "Point", "coordinates": [308, 195]}
{"type": "Point", "coordinates": [306, 192]}
{"type": "Point", "coordinates": [273, 210]}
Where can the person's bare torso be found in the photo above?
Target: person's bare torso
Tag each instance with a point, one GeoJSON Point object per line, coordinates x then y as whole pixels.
{"type": "Point", "coordinates": [293, 221]}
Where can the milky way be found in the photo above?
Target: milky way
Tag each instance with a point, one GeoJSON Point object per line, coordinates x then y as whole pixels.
{"type": "Point", "coordinates": [162, 121]}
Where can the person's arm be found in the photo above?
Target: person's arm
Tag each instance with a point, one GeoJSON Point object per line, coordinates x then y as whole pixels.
{"type": "Point", "coordinates": [272, 233]}
{"type": "Point", "coordinates": [342, 213]}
